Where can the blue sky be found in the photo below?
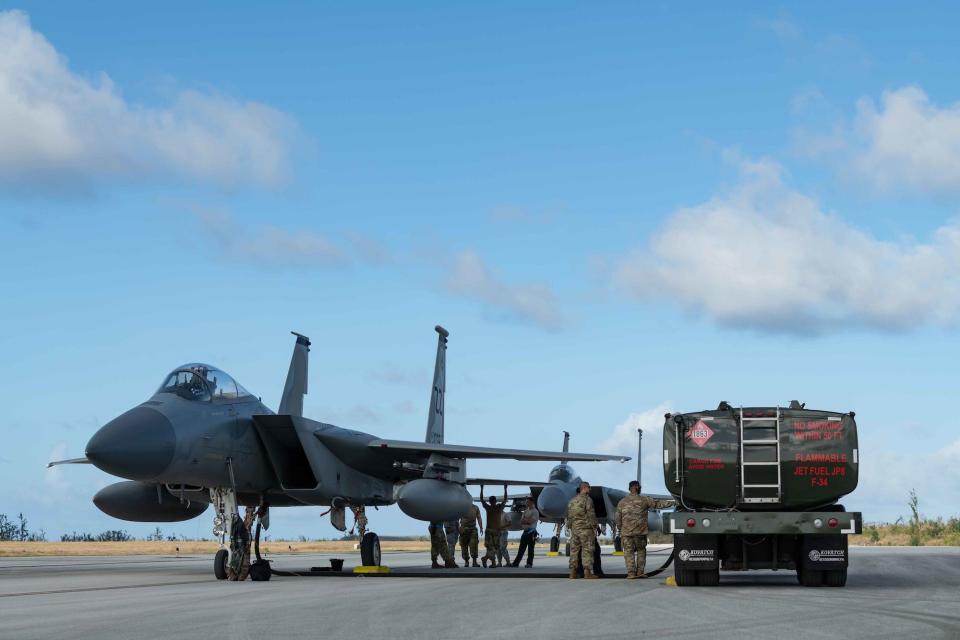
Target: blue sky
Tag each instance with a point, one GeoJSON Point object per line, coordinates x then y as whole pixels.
{"type": "Point", "coordinates": [616, 211]}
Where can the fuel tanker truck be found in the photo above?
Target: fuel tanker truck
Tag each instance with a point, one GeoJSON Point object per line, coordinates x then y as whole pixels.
{"type": "Point", "coordinates": [759, 488]}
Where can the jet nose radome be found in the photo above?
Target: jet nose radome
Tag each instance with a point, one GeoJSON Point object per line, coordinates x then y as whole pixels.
{"type": "Point", "coordinates": [138, 445]}
{"type": "Point", "coordinates": [553, 502]}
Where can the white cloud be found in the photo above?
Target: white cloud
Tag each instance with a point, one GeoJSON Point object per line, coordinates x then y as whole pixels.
{"type": "Point", "coordinates": [61, 131]}
{"type": "Point", "coordinates": [532, 303]}
{"type": "Point", "coordinates": [269, 246]}
{"type": "Point", "coordinates": [622, 440]}
{"type": "Point", "coordinates": [765, 256]}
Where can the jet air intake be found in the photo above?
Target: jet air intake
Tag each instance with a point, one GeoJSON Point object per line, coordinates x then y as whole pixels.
{"type": "Point", "coordinates": [434, 500]}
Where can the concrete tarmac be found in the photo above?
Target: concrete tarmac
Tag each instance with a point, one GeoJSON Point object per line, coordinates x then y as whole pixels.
{"type": "Point", "coordinates": [891, 593]}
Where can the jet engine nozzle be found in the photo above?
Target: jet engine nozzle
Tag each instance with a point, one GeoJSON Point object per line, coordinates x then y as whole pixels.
{"type": "Point", "coordinates": [434, 500]}
{"type": "Point", "coordinates": [138, 445]}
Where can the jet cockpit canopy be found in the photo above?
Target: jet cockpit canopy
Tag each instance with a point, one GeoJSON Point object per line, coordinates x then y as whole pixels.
{"type": "Point", "coordinates": [562, 472]}
{"type": "Point", "coordinates": [198, 381]}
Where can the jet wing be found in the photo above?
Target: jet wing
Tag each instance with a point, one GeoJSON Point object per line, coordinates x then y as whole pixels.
{"type": "Point", "coordinates": [466, 451]}
{"type": "Point", "coordinates": [493, 482]}
{"type": "Point", "coordinates": [70, 461]}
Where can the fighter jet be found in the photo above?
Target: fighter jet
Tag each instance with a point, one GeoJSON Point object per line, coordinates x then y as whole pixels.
{"type": "Point", "coordinates": [203, 439]}
{"type": "Point", "coordinates": [561, 486]}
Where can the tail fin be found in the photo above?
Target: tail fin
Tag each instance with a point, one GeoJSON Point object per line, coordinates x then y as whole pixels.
{"type": "Point", "coordinates": [566, 444]}
{"type": "Point", "coordinates": [639, 454]}
{"type": "Point", "coordinates": [435, 417]}
{"type": "Point", "coordinates": [296, 386]}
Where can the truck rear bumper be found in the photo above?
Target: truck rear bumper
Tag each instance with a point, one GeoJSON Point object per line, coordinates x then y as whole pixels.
{"type": "Point", "coordinates": [762, 522]}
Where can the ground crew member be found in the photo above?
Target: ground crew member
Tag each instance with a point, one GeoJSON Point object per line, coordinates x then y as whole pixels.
{"type": "Point", "coordinates": [239, 566]}
{"type": "Point", "coordinates": [631, 521]}
{"type": "Point", "coordinates": [438, 547]}
{"type": "Point", "coordinates": [468, 534]}
{"type": "Point", "coordinates": [452, 530]}
{"type": "Point", "coordinates": [503, 554]}
{"type": "Point", "coordinates": [581, 519]}
{"type": "Point", "coordinates": [491, 541]}
{"type": "Point", "coordinates": [528, 524]}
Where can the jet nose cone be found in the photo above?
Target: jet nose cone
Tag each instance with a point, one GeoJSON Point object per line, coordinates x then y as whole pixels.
{"type": "Point", "coordinates": [138, 445]}
{"type": "Point", "coordinates": [553, 502]}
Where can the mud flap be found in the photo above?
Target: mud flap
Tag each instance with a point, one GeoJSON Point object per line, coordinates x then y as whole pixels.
{"type": "Point", "coordinates": [824, 553]}
{"type": "Point", "coordinates": [696, 552]}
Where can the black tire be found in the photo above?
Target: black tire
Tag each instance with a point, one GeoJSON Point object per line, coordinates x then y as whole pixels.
{"type": "Point", "coordinates": [618, 544]}
{"type": "Point", "coordinates": [220, 564]}
{"type": "Point", "coordinates": [566, 550]}
{"type": "Point", "coordinates": [685, 577]}
{"type": "Point", "coordinates": [709, 578]}
{"type": "Point", "coordinates": [370, 550]}
{"type": "Point", "coordinates": [554, 544]}
{"type": "Point", "coordinates": [810, 577]}
{"type": "Point", "coordinates": [835, 578]}
{"type": "Point", "coordinates": [260, 571]}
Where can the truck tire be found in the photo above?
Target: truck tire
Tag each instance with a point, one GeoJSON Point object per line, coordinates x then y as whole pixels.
{"type": "Point", "coordinates": [370, 550]}
{"type": "Point", "coordinates": [835, 578]}
{"type": "Point", "coordinates": [685, 577]}
{"type": "Point", "coordinates": [220, 564]}
{"type": "Point", "coordinates": [809, 577]}
{"type": "Point", "coordinates": [709, 578]}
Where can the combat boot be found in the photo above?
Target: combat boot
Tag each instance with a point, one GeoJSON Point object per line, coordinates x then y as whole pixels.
{"type": "Point", "coordinates": [588, 574]}
{"type": "Point", "coordinates": [631, 576]}
{"type": "Point", "coordinates": [573, 574]}
{"type": "Point", "coordinates": [451, 565]}
{"type": "Point", "coordinates": [475, 563]}
{"type": "Point", "coordinates": [434, 565]}
{"type": "Point", "coordinates": [484, 561]}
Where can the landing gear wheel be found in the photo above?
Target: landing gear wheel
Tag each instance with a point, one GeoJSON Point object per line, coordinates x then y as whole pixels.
{"type": "Point", "coordinates": [685, 577]}
{"type": "Point", "coordinates": [566, 550]}
{"type": "Point", "coordinates": [220, 564]}
{"type": "Point", "coordinates": [708, 578]}
{"type": "Point", "coordinates": [370, 550]}
{"type": "Point", "coordinates": [835, 577]}
{"type": "Point", "coordinates": [554, 544]}
{"type": "Point", "coordinates": [618, 544]}
{"type": "Point", "coordinates": [809, 577]}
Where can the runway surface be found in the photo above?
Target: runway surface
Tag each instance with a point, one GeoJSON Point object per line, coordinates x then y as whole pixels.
{"type": "Point", "coordinates": [891, 592]}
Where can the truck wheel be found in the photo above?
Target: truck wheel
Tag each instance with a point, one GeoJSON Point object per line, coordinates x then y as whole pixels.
{"type": "Point", "coordinates": [835, 578]}
{"type": "Point", "coordinates": [809, 577]}
{"type": "Point", "coordinates": [685, 577]}
{"type": "Point", "coordinates": [220, 564]}
{"type": "Point", "coordinates": [554, 544]}
{"type": "Point", "coordinates": [709, 578]}
{"type": "Point", "coordinates": [370, 550]}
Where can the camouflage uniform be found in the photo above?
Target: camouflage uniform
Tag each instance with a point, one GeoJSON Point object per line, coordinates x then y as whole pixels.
{"type": "Point", "coordinates": [581, 519]}
{"type": "Point", "coordinates": [469, 540]}
{"type": "Point", "coordinates": [491, 540]}
{"type": "Point", "coordinates": [452, 530]}
{"type": "Point", "coordinates": [438, 546]}
{"type": "Point", "coordinates": [239, 564]}
{"type": "Point", "coordinates": [502, 553]}
{"type": "Point", "coordinates": [631, 521]}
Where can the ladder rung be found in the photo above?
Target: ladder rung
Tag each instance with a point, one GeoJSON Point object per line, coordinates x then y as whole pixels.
{"type": "Point", "coordinates": [745, 500]}
{"type": "Point", "coordinates": [768, 419]}
{"type": "Point", "coordinates": [761, 486]}
{"type": "Point", "coordinates": [750, 442]}
{"type": "Point", "coordinates": [759, 463]}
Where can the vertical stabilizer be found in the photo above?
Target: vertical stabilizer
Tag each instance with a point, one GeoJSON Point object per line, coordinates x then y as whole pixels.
{"type": "Point", "coordinates": [566, 444]}
{"type": "Point", "coordinates": [435, 417]}
{"type": "Point", "coordinates": [639, 453]}
{"type": "Point", "coordinates": [296, 387]}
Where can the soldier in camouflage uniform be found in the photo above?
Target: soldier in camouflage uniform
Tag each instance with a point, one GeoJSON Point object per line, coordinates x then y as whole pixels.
{"type": "Point", "coordinates": [468, 535]}
{"type": "Point", "coordinates": [438, 547]}
{"type": "Point", "coordinates": [239, 565]}
{"type": "Point", "coordinates": [491, 540]}
{"type": "Point", "coordinates": [581, 519]}
{"type": "Point", "coordinates": [451, 529]}
{"type": "Point", "coordinates": [631, 521]}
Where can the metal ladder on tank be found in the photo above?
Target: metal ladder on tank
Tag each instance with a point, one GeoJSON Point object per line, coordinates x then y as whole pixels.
{"type": "Point", "coordinates": [758, 446]}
